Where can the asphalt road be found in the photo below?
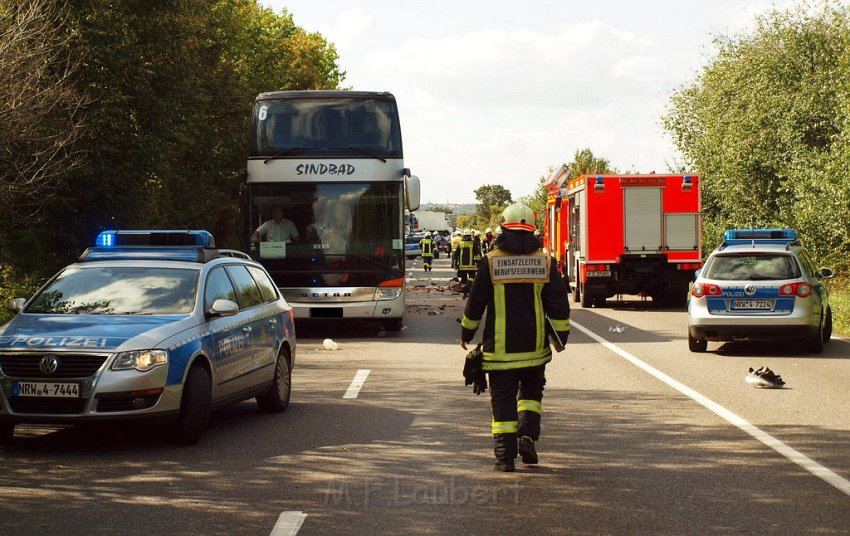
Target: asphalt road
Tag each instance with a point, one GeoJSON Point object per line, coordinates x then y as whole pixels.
{"type": "Point", "coordinates": [623, 451]}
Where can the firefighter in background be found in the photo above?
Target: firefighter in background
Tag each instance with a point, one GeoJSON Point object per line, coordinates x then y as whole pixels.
{"type": "Point", "coordinates": [476, 237]}
{"type": "Point", "coordinates": [468, 254]}
{"type": "Point", "coordinates": [487, 241]}
{"type": "Point", "coordinates": [427, 247]}
{"type": "Point", "coordinates": [455, 243]}
{"type": "Point", "coordinates": [518, 286]}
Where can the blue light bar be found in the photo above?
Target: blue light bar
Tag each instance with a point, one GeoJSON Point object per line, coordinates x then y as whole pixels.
{"type": "Point", "coordinates": [758, 236]}
{"type": "Point", "coordinates": [159, 238]}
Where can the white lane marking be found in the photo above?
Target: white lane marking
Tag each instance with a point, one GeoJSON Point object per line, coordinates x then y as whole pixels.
{"type": "Point", "coordinates": [288, 524]}
{"type": "Point", "coordinates": [357, 383]}
{"type": "Point", "coordinates": [797, 457]}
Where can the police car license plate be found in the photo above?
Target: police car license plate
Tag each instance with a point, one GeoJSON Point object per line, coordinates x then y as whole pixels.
{"type": "Point", "coordinates": [46, 389]}
{"type": "Point", "coordinates": [752, 305]}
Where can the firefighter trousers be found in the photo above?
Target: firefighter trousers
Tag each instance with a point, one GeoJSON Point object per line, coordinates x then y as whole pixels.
{"type": "Point", "coordinates": [516, 396]}
{"type": "Point", "coordinates": [426, 262]}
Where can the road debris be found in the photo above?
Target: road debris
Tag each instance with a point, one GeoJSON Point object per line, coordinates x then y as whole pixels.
{"type": "Point", "coordinates": [616, 329]}
{"type": "Point", "coordinates": [328, 344]}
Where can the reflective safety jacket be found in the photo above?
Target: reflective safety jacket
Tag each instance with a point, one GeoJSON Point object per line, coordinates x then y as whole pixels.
{"type": "Point", "coordinates": [517, 292]}
{"type": "Point", "coordinates": [427, 247]}
{"type": "Point", "coordinates": [469, 254]}
{"type": "Point", "coordinates": [455, 242]}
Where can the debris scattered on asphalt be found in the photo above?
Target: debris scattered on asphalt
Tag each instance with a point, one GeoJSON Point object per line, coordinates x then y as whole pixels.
{"type": "Point", "coordinates": [764, 378]}
{"type": "Point", "coordinates": [616, 329]}
{"type": "Point", "coordinates": [328, 344]}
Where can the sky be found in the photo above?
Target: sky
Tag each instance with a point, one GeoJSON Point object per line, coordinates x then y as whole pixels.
{"type": "Point", "coordinates": [497, 92]}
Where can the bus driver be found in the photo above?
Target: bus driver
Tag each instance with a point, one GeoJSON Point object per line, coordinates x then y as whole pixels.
{"type": "Point", "coordinates": [277, 229]}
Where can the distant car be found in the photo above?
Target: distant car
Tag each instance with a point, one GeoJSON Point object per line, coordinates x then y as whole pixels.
{"type": "Point", "coordinates": [411, 246]}
{"type": "Point", "coordinates": [139, 330]}
{"type": "Point", "coordinates": [760, 284]}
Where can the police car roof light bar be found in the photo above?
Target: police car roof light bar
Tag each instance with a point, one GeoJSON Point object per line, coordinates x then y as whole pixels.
{"type": "Point", "coordinates": [159, 238]}
{"type": "Point", "coordinates": [738, 237]}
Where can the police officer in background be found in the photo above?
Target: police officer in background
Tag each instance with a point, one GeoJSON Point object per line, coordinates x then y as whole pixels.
{"type": "Point", "coordinates": [427, 247]}
{"type": "Point", "coordinates": [518, 286]}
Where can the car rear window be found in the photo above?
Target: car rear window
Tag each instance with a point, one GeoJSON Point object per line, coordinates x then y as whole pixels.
{"type": "Point", "coordinates": [752, 267]}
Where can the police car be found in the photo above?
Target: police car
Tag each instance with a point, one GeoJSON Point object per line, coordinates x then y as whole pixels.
{"type": "Point", "coordinates": [760, 284]}
{"type": "Point", "coordinates": [147, 324]}
{"type": "Point", "coordinates": [411, 246]}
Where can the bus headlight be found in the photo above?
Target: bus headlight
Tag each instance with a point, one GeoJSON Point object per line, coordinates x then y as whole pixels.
{"type": "Point", "coordinates": [390, 289]}
{"type": "Point", "coordinates": [141, 360]}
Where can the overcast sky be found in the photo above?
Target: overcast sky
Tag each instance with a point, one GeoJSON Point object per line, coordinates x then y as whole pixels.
{"type": "Point", "coordinates": [496, 92]}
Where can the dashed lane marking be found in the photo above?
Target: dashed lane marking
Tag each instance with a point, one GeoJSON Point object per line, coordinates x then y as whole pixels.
{"type": "Point", "coordinates": [288, 524]}
{"type": "Point", "coordinates": [357, 383]}
{"type": "Point", "coordinates": [797, 457]}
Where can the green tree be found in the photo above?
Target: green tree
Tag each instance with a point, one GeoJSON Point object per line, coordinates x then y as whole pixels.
{"type": "Point", "coordinates": [492, 198]}
{"type": "Point", "coordinates": [767, 123]}
{"type": "Point", "coordinates": [169, 86]}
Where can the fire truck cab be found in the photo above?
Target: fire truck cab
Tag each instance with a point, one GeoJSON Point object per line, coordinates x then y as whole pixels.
{"type": "Point", "coordinates": [624, 234]}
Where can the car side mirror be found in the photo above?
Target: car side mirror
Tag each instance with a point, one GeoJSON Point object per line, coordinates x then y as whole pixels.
{"type": "Point", "coordinates": [826, 272]}
{"type": "Point", "coordinates": [16, 305]}
{"type": "Point", "coordinates": [223, 308]}
{"type": "Point", "coordinates": [696, 274]}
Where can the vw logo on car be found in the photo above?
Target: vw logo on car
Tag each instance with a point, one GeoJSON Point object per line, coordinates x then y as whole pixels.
{"type": "Point", "coordinates": [48, 364]}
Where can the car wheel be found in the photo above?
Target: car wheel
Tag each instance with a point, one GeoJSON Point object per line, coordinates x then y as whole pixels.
{"type": "Point", "coordinates": [827, 325]}
{"type": "Point", "coordinates": [392, 324]}
{"type": "Point", "coordinates": [195, 407]}
{"type": "Point", "coordinates": [7, 432]}
{"type": "Point", "coordinates": [599, 301]}
{"type": "Point", "coordinates": [697, 345]}
{"type": "Point", "coordinates": [276, 400]}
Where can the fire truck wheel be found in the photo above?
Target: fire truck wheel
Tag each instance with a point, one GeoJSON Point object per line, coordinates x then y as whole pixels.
{"type": "Point", "coordinates": [599, 301]}
{"type": "Point", "coordinates": [586, 299]}
{"type": "Point", "coordinates": [576, 293]}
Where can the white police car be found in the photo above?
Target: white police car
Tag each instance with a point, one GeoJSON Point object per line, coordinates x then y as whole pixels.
{"type": "Point", "coordinates": [147, 324]}
{"type": "Point", "coordinates": [759, 284]}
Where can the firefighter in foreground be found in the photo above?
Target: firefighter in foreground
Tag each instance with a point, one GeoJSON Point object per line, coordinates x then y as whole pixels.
{"type": "Point", "coordinates": [519, 287]}
{"type": "Point", "coordinates": [427, 247]}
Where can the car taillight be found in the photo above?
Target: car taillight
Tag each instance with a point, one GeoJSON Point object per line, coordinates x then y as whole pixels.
{"type": "Point", "coordinates": [705, 289]}
{"type": "Point", "coordinates": [803, 290]}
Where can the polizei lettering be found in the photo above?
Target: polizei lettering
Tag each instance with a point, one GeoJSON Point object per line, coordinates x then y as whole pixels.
{"type": "Point", "coordinates": [324, 169]}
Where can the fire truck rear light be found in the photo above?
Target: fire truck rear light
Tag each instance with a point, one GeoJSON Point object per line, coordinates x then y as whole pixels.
{"type": "Point", "coordinates": [689, 266]}
{"type": "Point", "coordinates": [597, 267]}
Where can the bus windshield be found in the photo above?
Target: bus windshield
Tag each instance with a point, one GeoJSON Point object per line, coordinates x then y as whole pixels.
{"type": "Point", "coordinates": [324, 228]}
{"type": "Point", "coordinates": [305, 127]}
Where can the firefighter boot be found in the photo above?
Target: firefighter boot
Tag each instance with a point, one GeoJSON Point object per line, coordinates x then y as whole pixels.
{"type": "Point", "coordinates": [504, 466]}
{"type": "Point", "coordinates": [505, 449]}
{"type": "Point", "coordinates": [527, 450]}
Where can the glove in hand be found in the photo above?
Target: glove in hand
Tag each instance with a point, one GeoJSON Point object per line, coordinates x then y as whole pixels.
{"type": "Point", "coordinates": [473, 373]}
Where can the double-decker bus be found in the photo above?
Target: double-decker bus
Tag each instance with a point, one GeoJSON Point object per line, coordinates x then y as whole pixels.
{"type": "Point", "coordinates": [324, 201]}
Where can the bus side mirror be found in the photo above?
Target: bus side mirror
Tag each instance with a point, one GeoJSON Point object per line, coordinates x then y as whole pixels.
{"type": "Point", "coordinates": [411, 190]}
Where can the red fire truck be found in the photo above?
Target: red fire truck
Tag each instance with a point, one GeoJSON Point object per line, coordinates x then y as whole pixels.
{"type": "Point", "coordinates": [624, 234]}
